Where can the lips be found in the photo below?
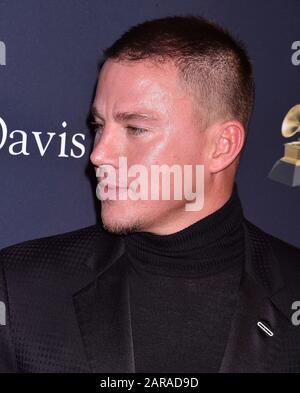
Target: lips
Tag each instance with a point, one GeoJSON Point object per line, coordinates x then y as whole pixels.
{"type": "Point", "coordinates": [110, 186]}
{"type": "Point", "coordinates": [107, 187]}
{"type": "Point", "coordinates": [113, 187]}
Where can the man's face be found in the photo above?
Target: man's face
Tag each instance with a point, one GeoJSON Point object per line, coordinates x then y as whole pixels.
{"type": "Point", "coordinates": [145, 115]}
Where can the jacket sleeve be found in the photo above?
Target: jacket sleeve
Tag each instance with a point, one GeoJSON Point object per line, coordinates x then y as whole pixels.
{"type": "Point", "coordinates": [8, 362]}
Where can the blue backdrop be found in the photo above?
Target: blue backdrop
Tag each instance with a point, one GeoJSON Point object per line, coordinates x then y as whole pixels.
{"type": "Point", "coordinates": [53, 48]}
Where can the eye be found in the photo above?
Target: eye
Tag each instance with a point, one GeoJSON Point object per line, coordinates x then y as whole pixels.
{"type": "Point", "coordinates": [136, 130]}
{"type": "Point", "coordinates": [97, 127]}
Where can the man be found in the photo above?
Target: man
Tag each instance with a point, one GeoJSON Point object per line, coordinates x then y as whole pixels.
{"type": "Point", "coordinates": [157, 287]}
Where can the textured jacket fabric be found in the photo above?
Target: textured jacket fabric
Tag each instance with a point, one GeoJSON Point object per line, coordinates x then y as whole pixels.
{"type": "Point", "coordinates": [67, 305]}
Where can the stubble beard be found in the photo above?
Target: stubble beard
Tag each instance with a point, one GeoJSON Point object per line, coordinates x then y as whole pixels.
{"type": "Point", "coordinates": [123, 228]}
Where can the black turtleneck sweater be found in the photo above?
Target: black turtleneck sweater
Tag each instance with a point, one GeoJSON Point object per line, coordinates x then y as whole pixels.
{"type": "Point", "coordinates": [183, 292]}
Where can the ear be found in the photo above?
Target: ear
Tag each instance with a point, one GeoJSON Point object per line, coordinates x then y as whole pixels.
{"type": "Point", "coordinates": [228, 140]}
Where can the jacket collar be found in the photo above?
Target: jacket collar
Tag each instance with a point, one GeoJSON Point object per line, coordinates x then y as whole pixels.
{"type": "Point", "coordinates": [102, 307]}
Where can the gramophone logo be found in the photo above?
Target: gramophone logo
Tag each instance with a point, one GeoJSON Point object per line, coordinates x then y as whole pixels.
{"type": "Point", "coordinates": [2, 53]}
{"type": "Point", "coordinates": [287, 169]}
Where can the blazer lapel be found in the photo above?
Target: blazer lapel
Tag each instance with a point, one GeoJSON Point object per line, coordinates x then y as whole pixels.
{"type": "Point", "coordinates": [103, 311]}
{"type": "Point", "coordinates": [249, 347]}
{"type": "Point", "coordinates": [261, 296]}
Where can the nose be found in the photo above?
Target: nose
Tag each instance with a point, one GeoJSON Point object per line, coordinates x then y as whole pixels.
{"type": "Point", "coordinates": [108, 147]}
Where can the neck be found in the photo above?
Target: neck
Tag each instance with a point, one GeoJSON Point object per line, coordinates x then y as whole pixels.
{"type": "Point", "coordinates": [177, 221]}
{"type": "Point", "coordinates": [212, 243]}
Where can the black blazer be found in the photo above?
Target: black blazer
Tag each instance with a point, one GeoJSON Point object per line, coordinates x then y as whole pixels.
{"type": "Point", "coordinates": [67, 306]}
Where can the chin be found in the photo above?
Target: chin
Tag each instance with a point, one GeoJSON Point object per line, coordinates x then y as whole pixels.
{"type": "Point", "coordinates": [118, 228]}
{"type": "Point", "coordinates": [115, 220]}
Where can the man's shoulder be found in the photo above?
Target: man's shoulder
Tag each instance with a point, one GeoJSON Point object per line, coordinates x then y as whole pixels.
{"type": "Point", "coordinates": [287, 255]}
{"type": "Point", "coordinates": [59, 255]}
{"type": "Point", "coordinates": [279, 244]}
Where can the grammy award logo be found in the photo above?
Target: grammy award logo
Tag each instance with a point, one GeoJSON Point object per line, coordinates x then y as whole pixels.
{"type": "Point", "coordinates": [287, 169]}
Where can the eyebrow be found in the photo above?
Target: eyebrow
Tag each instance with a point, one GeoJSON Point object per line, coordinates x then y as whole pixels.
{"type": "Point", "coordinates": [126, 116]}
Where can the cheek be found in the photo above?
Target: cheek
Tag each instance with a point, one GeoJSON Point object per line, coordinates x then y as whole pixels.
{"type": "Point", "coordinates": [151, 152]}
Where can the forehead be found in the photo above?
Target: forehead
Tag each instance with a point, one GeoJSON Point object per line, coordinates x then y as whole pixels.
{"type": "Point", "coordinates": [137, 83]}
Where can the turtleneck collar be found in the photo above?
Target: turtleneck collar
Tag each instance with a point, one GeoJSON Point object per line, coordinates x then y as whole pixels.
{"type": "Point", "coordinates": [208, 245]}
